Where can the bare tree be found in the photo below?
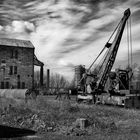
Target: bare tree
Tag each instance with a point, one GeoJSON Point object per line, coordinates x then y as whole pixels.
{"type": "Point", "coordinates": [58, 82]}
{"type": "Point", "coordinates": [37, 79]}
{"type": "Point", "coordinates": [72, 84]}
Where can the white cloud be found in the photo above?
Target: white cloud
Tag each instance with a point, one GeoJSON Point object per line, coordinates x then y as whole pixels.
{"type": "Point", "coordinates": [54, 29]}
{"type": "Point", "coordinates": [51, 34]}
{"type": "Point", "coordinates": [22, 26]}
{"type": "Point", "coordinates": [48, 38]}
{"type": "Point", "coordinates": [101, 22]}
{"type": "Point", "coordinates": [1, 28]}
{"type": "Point", "coordinates": [19, 27]}
{"type": "Point", "coordinates": [29, 26]}
{"type": "Point", "coordinates": [8, 29]}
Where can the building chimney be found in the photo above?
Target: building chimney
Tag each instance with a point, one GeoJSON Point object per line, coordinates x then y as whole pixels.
{"type": "Point", "coordinates": [48, 78]}
{"type": "Point", "coordinates": [41, 75]}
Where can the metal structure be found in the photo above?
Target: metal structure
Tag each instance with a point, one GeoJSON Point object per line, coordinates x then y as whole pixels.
{"type": "Point", "coordinates": [112, 52]}
{"type": "Point", "coordinates": [109, 57]}
{"type": "Point", "coordinates": [79, 71]}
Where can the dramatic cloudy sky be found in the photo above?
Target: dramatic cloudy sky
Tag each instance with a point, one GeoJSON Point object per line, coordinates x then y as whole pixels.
{"type": "Point", "coordinates": [66, 33]}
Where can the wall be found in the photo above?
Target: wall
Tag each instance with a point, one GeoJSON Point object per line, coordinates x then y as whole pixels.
{"type": "Point", "coordinates": [24, 64]}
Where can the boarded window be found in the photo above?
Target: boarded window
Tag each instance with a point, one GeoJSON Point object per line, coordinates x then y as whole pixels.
{"type": "Point", "coordinates": [11, 70]}
{"type": "Point", "coordinates": [15, 69]}
{"type": "Point", "coordinates": [7, 85]}
{"type": "Point", "coordinates": [23, 85]}
{"type": "Point", "coordinates": [2, 85]}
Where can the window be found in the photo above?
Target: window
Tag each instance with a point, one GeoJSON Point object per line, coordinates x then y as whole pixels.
{"type": "Point", "coordinates": [18, 77]}
{"type": "Point", "coordinates": [7, 85]}
{"type": "Point", "coordinates": [18, 85]}
{"type": "Point", "coordinates": [11, 70]}
{"type": "Point", "coordinates": [16, 54]}
{"type": "Point", "coordinates": [12, 53]}
{"type": "Point", "coordinates": [23, 85]}
{"type": "Point", "coordinates": [15, 69]}
{"type": "Point", "coordinates": [3, 61]}
{"type": "Point", "coordinates": [2, 85]}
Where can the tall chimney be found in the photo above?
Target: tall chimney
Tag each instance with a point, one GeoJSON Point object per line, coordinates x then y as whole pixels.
{"type": "Point", "coordinates": [48, 78]}
{"type": "Point", "coordinates": [41, 75]}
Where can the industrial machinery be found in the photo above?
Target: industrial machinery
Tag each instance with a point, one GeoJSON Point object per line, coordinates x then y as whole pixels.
{"type": "Point", "coordinates": [95, 81]}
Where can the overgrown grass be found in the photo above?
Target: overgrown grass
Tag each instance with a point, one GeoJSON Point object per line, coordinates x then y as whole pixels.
{"type": "Point", "coordinates": [105, 122]}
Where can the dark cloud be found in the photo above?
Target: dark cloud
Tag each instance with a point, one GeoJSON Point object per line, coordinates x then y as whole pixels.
{"type": "Point", "coordinates": [95, 7]}
{"type": "Point", "coordinates": [136, 16]}
{"type": "Point", "coordinates": [108, 27]}
{"type": "Point", "coordinates": [94, 2]}
{"type": "Point", "coordinates": [11, 10]}
{"type": "Point", "coordinates": [72, 44]}
{"type": "Point", "coordinates": [26, 10]}
{"type": "Point", "coordinates": [136, 3]}
{"type": "Point", "coordinates": [88, 10]}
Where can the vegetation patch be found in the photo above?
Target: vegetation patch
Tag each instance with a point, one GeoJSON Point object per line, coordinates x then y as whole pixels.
{"type": "Point", "coordinates": [60, 118]}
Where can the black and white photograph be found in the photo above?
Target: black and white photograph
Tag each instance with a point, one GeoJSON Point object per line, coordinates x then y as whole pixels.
{"type": "Point", "coordinates": [69, 69]}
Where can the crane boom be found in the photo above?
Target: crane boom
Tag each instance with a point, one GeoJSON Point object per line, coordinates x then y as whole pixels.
{"type": "Point", "coordinates": [113, 48]}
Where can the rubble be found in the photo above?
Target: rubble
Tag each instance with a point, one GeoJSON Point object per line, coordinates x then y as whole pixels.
{"type": "Point", "coordinates": [22, 118]}
{"type": "Point", "coordinates": [82, 123]}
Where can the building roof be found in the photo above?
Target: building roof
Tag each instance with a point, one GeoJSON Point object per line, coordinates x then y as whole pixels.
{"type": "Point", "coordinates": [37, 62]}
{"type": "Point", "coordinates": [15, 43]}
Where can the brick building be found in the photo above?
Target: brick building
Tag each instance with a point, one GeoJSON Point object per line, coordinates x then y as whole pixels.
{"type": "Point", "coordinates": [17, 60]}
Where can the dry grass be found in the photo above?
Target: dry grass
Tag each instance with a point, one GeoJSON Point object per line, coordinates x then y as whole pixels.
{"type": "Point", "coordinates": [105, 122]}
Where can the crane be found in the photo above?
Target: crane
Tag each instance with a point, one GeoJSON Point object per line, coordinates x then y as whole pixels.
{"type": "Point", "coordinates": [113, 48]}
{"type": "Point", "coordinates": [110, 56]}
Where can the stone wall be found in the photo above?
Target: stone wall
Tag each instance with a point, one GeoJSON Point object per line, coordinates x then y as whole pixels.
{"type": "Point", "coordinates": [16, 67]}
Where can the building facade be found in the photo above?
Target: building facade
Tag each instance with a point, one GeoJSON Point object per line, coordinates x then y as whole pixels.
{"type": "Point", "coordinates": [16, 64]}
